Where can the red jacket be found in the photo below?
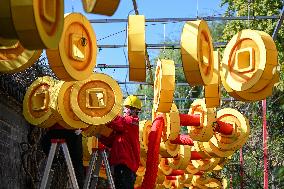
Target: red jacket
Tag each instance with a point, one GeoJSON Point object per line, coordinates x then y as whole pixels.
{"type": "Point", "coordinates": [125, 147]}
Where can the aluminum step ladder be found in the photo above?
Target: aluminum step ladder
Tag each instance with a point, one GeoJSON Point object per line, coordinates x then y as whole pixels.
{"type": "Point", "coordinates": [55, 144]}
{"type": "Point", "coordinates": [99, 156]}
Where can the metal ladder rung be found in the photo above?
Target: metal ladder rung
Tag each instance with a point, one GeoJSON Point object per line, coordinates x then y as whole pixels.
{"type": "Point", "coordinates": [55, 143]}
{"type": "Point", "coordinates": [98, 156]}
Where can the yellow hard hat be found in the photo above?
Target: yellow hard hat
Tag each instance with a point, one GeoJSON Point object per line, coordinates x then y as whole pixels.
{"type": "Point", "coordinates": [133, 101]}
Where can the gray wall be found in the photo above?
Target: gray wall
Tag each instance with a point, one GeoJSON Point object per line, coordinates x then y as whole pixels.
{"type": "Point", "coordinates": [13, 131]}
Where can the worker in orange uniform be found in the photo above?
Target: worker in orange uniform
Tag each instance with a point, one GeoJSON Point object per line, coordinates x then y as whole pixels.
{"type": "Point", "coordinates": [125, 149]}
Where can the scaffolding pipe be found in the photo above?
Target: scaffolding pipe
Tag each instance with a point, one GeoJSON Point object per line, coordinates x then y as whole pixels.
{"type": "Point", "coordinates": [206, 18]}
{"type": "Point", "coordinates": [158, 46]}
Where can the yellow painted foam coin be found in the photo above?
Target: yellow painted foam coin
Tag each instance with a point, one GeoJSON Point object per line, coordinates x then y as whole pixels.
{"type": "Point", "coordinates": [75, 56]}
{"type": "Point", "coordinates": [96, 100]}
{"type": "Point", "coordinates": [197, 53]}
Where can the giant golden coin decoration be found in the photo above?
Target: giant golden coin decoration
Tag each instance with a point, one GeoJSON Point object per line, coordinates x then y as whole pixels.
{"type": "Point", "coordinates": [6, 21]}
{"type": "Point", "coordinates": [136, 48]}
{"type": "Point", "coordinates": [172, 123]}
{"type": "Point", "coordinates": [65, 110]}
{"type": "Point", "coordinates": [15, 58]}
{"type": "Point", "coordinates": [104, 7]}
{"type": "Point", "coordinates": [203, 182]}
{"type": "Point", "coordinates": [40, 102]}
{"type": "Point", "coordinates": [212, 91]}
{"type": "Point", "coordinates": [96, 100]}
{"type": "Point", "coordinates": [145, 128]}
{"type": "Point", "coordinates": [253, 96]}
{"type": "Point", "coordinates": [182, 159]}
{"type": "Point", "coordinates": [249, 61]}
{"type": "Point", "coordinates": [207, 116]}
{"type": "Point", "coordinates": [197, 53]}
{"type": "Point", "coordinates": [164, 86]}
{"type": "Point", "coordinates": [38, 24]}
{"type": "Point", "coordinates": [240, 133]}
{"type": "Point", "coordinates": [75, 56]}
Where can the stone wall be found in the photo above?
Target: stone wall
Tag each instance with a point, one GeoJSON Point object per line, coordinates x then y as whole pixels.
{"type": "Point", "coordinates": [13, 132]}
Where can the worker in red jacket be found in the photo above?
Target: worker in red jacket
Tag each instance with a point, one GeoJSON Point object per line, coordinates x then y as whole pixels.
{"type": "Point", "coordinates": [125, 149]}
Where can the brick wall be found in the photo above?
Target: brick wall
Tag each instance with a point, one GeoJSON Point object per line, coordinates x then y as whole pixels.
{"type": "Point", "coordinates": [13, 131]}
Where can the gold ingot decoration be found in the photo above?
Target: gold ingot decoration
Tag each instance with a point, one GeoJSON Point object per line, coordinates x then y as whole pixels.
{"type": "Point", "coordinates": [144, 130]}
{"type": "Point", "coordinates": [104, 7]}
{"type": "Point", "coordinates": [197, 53]}
{"type": "Point", "coordinates": [164, 86]}
{"type": "Point", "coordinates": [75, 56]}
{"type": "Point", "coordinates": [136, 48]}
{"type": "Point", "coordinates": [240, 133]}
{"type": "Point", "coordinates": [203, 182]}
{"type": "Point", "coordinates": [40, 102]}
{"type": "Point", "coordinates": [36, 24]}
{"type": "Point", "coordinates": [96, 100]}
{"type": "Point", "coordinates": [182, 159]}
{"type": "Point", "coordinates": [70, 119]}
{"type": "Point", "coordinates": [16, 58]}
{"type": "Point", "coordinates": [207, 116]}
{"type": "Point", "coordinates": [250, 60]}
{"type": "Point", "coordinates": [212, 91]}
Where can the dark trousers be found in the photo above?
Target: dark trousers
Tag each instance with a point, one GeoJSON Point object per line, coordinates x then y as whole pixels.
{"type": "Point", "coordinates": [124, 178]}
{"type": "Point", "coordinates": [74, 143]}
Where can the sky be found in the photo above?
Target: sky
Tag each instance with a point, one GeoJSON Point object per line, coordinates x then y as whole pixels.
{"type": "Point", "coordinates": [154, 33]}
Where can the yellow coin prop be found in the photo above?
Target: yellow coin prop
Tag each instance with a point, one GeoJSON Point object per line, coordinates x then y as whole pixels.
{"type": "Point", "coordinates": [40, 102]}
{"type": "Point", "coordinates": [203, 182]}
{"type": "Point", "coordinates": [240, 133]}
{"type": "Point", "coordinates": [253, 96]}
{"type": "Point", "coordinates": [38, 24]}
{"type": "Point", "coordinates": [164, 86]}
{"type": "Point", "coordinates": [182, 159]}
{"type": "Point", "coordinates": [75, 56]}
{"type": "Point", "coordinates": [207, 116]}
{"type": "Point", "coordinates": [212, 92]}
{"type": "Point", "coordinates": [65, 110]}
{"type": "Point", "coordinates": [104, 7]}
{"type": "Point", "coordinates": [145, 128]}
{"type": "Point", "coordinates": [16, 58]}
{"type": "Point", "coordinates": [249, 61]}
{"type": "Point", "coordinates": [172, 123]}
{"type": "Point", "coordinates": [6, 21]}
{"type": "Point", "coordinates": [136, 48]}
{"type": "Point", "coordinates": [96, 100]}
{"type": "Point", "coordinates": [197, 53]}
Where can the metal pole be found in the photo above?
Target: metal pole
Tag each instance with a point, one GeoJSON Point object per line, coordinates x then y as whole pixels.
{"type": "Point", "coordinates": [206, 18]}
{"type": "Point", "coordinates": [264, 130]}
{"type": "Point", "coordinates": [242, 168]}
{"type": "Point", "coordinates": [279, 23]}
{"type": "Point", "coordinates": [159, 46]}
